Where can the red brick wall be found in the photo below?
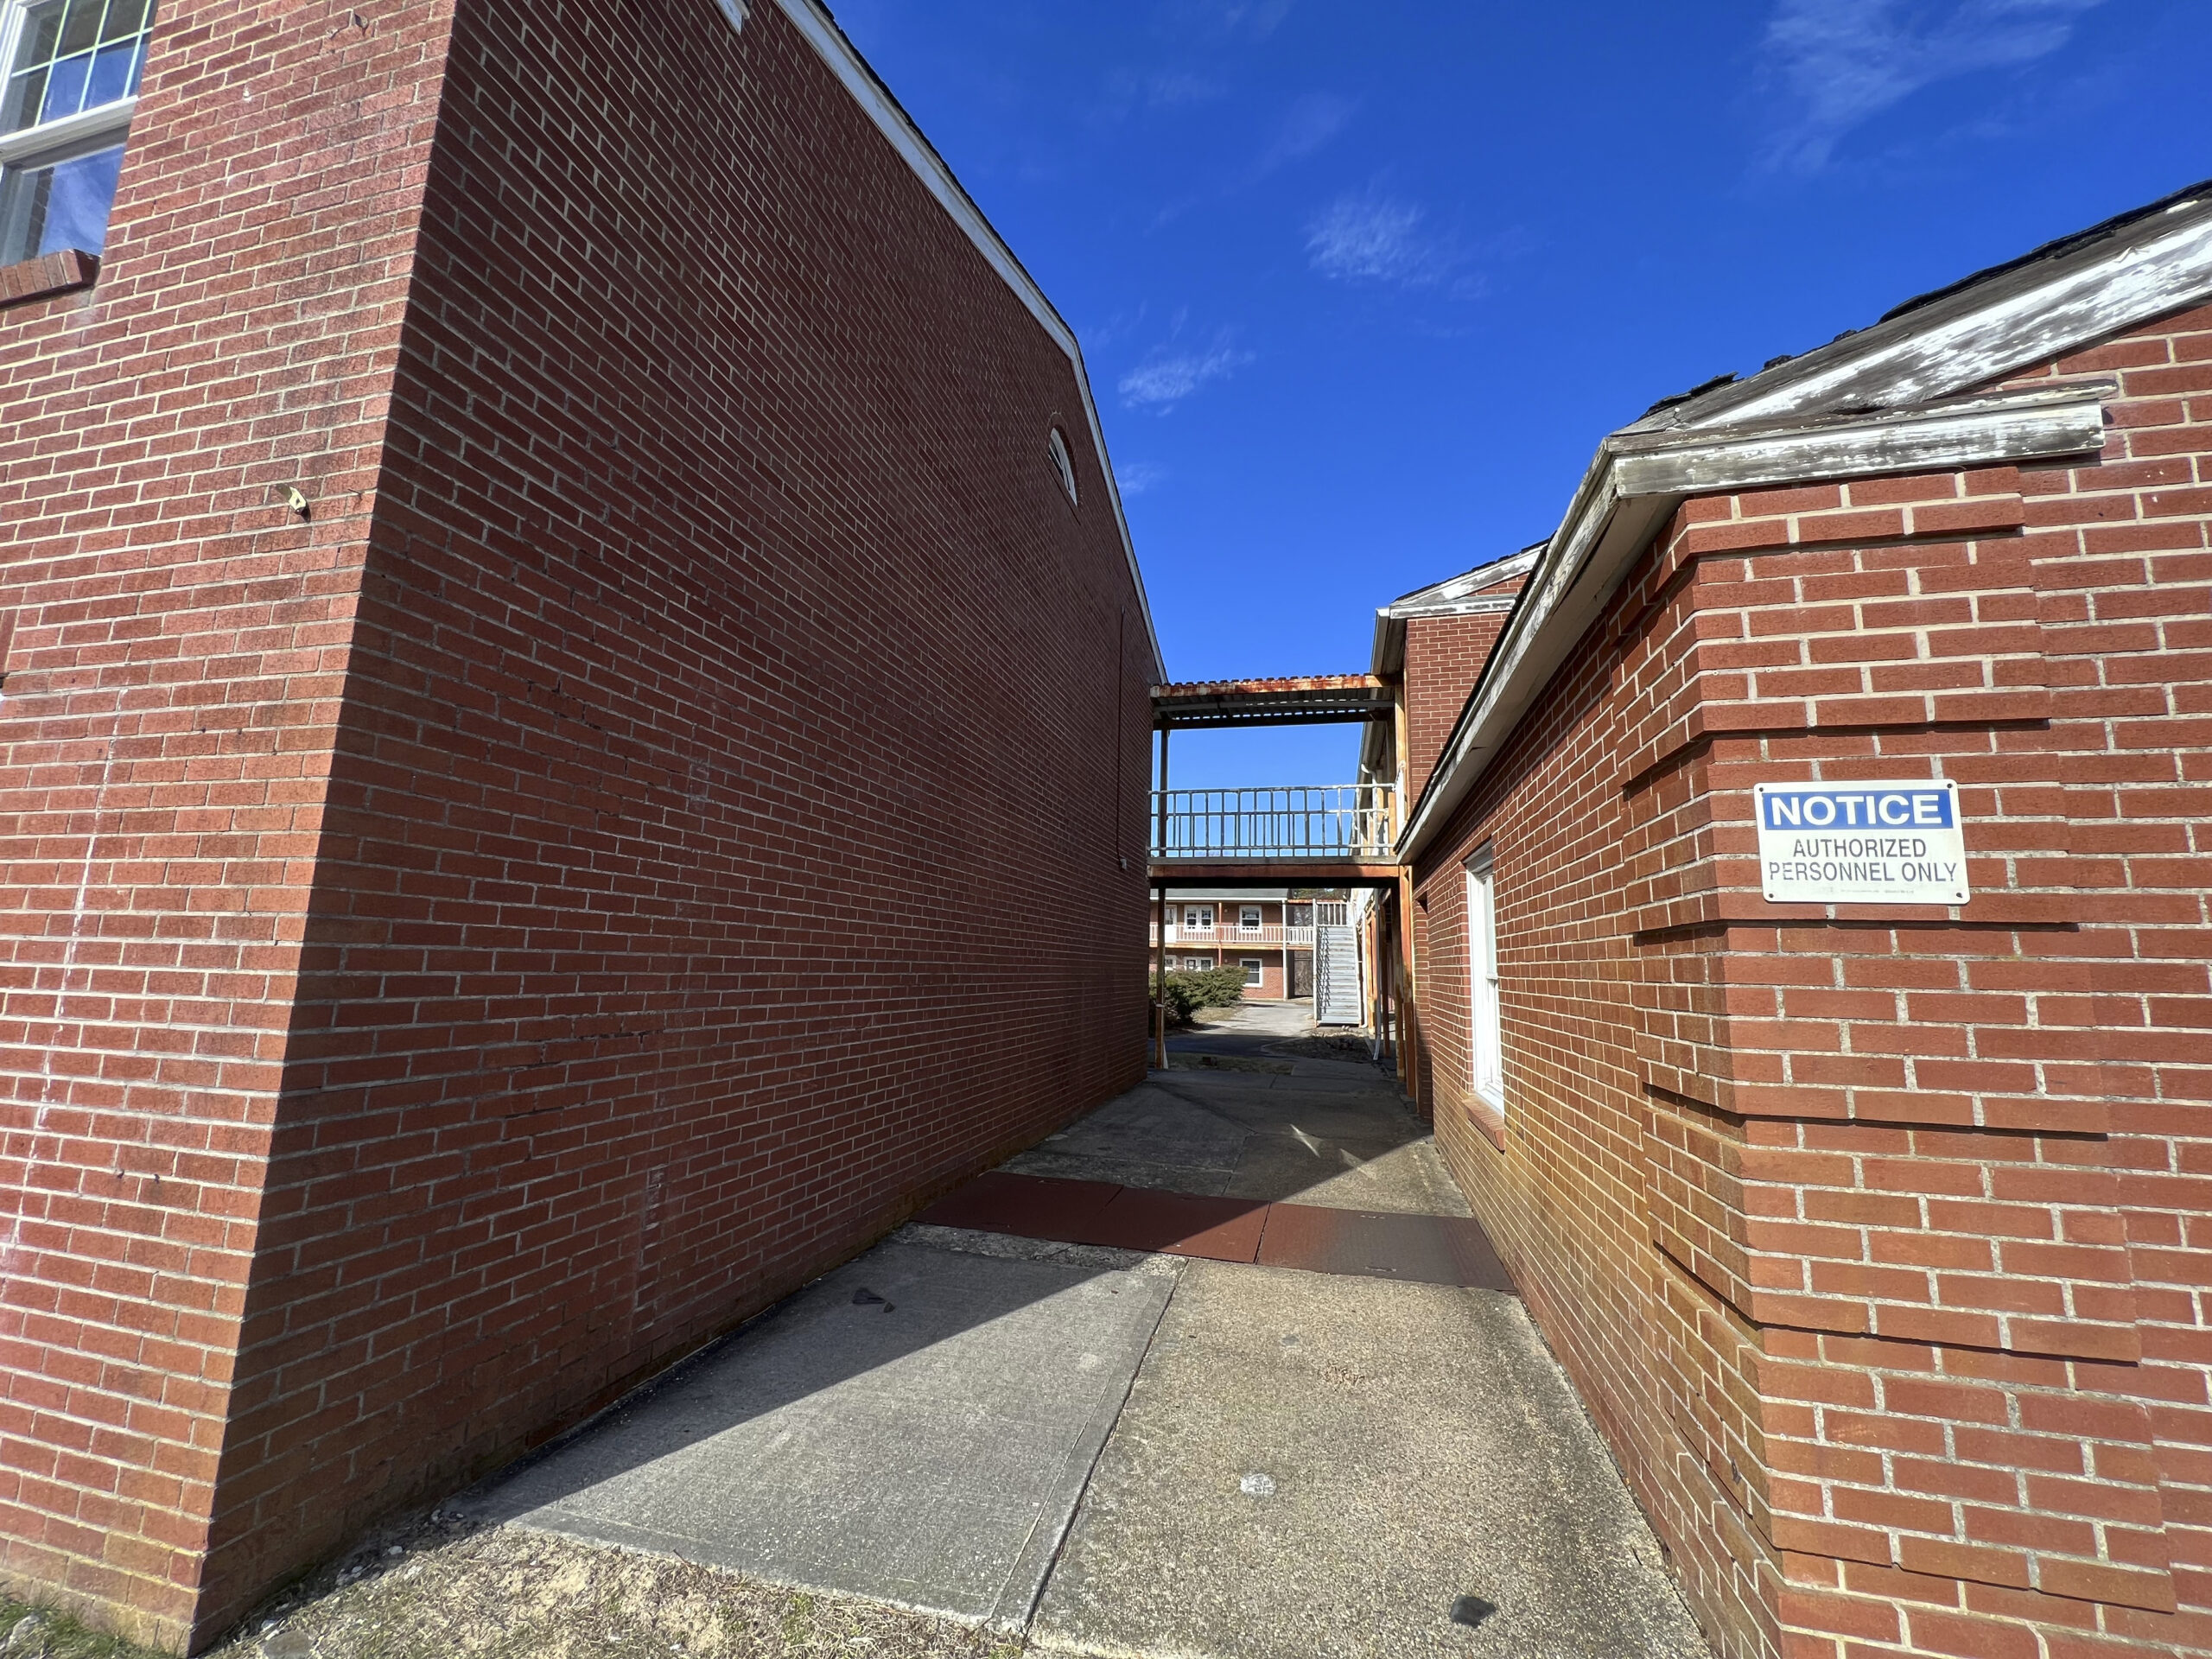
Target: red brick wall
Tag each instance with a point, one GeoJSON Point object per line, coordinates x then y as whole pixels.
{"type": "Point", "coordinates": [619, 769]}
{"type": "Point", "coordinates": [1444, 657]}
{"type": "Point", "coordinates": [171, 697]}
{"type": "Point", "coordinates": [1876, 1241]}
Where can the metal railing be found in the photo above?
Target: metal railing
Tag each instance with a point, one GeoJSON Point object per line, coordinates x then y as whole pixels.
{"type": "Point", "coordinates": [1326, 821]}
{"type": "Point", "coordinates": [1272, 935]}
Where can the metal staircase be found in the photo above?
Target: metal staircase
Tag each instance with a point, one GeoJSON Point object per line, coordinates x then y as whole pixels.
{"type": "Point", "coordinates": [1337, 1000]}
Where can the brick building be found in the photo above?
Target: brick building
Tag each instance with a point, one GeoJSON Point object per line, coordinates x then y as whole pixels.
{"type": "Point", "coordinates": [1263, 930]}
{"type": "Point", "coordinates": [1876, 1234]}
{"type": "Point", "coordinates": [516, 524]}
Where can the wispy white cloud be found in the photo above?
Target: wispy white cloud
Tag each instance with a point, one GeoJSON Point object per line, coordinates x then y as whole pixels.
{"type": "Point", "coordinates": [1253, 20]}
{"type": "Point", "coordinates": [1309, 123]}
{"type": "Point", "coordinates": [1374, 237]}
{"type": "Point", "coordinates": [1842, 62]}
{"type": "Point", "coordinates": [1167, 377]}
{"type": "Point", "coordinates": [1139, 476]}
{"type": "Point", "coordinates": [1130, 90]}
{"type": "Point", "coordinates": [1259, 18]}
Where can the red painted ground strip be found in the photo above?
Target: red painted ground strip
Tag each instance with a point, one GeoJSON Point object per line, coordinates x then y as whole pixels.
{"type": "Point", "coordinates": [1180, 1223]}
{"type": "Point", "coordinates": [1028, 1206]}
{"type": "Point", "coordinates": [1367, 1243]}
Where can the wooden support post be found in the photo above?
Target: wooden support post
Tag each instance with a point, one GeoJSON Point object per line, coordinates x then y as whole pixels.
{"type": "Point", "coordinates": [1160, 968]}
{"type": "Point", "coordinates": [1409, 991]}
{"type": "Point", "coordinates": [1386, 1022]}
{"type": "Point", "coordinates": [1160, 1009]}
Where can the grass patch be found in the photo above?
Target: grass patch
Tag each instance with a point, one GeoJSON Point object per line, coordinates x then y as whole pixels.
{"type": "Point", "coordinates": [62, 1637]}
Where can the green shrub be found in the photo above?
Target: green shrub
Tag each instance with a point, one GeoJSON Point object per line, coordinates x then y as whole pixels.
{"type": "Point", "coordinates": [1218, 987]}
{"type": "Point", "coordinates": [1181, 998]}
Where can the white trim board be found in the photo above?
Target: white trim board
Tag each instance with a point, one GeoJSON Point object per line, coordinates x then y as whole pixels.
{"type": "Point", "coordinates": [828, 41]}
{"type": "Point", "coordinates": [1980, 334]}
{"type": "Point", "coordinates": [1637, 480]}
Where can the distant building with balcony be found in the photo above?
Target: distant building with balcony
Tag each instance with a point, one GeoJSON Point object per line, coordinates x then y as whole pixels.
{"type": "Point", "coordinates": [1264, 931]}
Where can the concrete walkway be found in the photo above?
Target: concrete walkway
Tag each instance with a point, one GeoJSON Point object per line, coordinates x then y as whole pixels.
{"type": "Point", "coordinates": [1111, 1452]}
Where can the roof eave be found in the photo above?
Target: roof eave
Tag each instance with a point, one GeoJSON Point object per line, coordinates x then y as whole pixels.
{"type": "Point", "coordinates": [1975, 335]}
{"type": "Point", "coordinates": [1637, 480]}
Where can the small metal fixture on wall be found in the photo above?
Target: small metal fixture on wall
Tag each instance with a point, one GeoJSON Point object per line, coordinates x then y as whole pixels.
{"type": "Point", "coordinates": [295, 500]}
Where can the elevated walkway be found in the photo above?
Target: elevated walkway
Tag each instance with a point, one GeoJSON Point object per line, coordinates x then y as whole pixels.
{"type": "Point", "coordinates": [1319, 834]}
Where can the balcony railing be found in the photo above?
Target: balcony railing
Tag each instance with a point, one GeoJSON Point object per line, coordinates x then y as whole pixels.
{"type": "Point", "coordinates": [1344, 823]}
{"type": "Point", "coordinates": [1273, 937]}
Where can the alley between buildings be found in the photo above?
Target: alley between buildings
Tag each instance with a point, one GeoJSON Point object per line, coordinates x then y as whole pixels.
{"type": "Point", "coordinates": [1105, 1450]}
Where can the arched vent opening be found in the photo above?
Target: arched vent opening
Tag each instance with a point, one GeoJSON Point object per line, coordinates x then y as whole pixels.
{"type": "Point", "coordinates": [1056, 447]}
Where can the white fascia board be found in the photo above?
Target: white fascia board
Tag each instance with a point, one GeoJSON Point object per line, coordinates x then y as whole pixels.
{"type": "Point", "coordinates": [1982, 333]}
{"type": "Point", "coordinates": [2063, 419]}
{"type": "Point", "coordinates": [829, 42]}
{"type": "Point", "coordinates": [1637, 480]}
{"type": "Point", "coordinates": [1458, 606]}
{"type": "Point", "coordinates": [1388, 655]}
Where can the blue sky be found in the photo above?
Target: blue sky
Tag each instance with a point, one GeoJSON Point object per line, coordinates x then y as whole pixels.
{"type": "Point", "coordinates": [1360, 287]}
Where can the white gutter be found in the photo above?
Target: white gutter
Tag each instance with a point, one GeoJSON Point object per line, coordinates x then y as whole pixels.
{"type": "Point", "coordinates": [821, 33]}
{"type": "Point", "coordinates": [1639, 478]}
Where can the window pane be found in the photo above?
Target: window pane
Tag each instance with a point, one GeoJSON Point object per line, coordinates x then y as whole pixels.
{"type": "Point", "coordinates": [42, 29]}
{"type": "Point", "coordinates": [65, 88]}
{"type": "Point", "coordinates": [46, 209]}
{"type": "Point", "coordinates": [125, 18]}
{"type": "Point", "coordinates": [56, 72]}
{"type": "Point", "coordinates": [82, 26]}
{"type": "Point", "coordinates": [25, 93]}
{"type": "Point", "coordinates": [110, 73]}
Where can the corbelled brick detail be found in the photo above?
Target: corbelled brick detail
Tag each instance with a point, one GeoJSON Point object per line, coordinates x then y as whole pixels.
{"type": "Point", "coordinates": [1875, 1236]}
{"type": "Point", "coordinates": [473, 943]}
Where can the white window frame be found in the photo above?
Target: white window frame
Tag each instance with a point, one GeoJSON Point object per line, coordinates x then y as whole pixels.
{"type": "Point", "coordinates": [72, 135]}
{"type": "Point", "coordinates": [1486, 1028]}
{"type": "Point", "coordinates": [1248, 919]}
{"type": "Point", "coordinates": [1256, 971]}
{"type": "Point", "coordinates": [1198, 916]}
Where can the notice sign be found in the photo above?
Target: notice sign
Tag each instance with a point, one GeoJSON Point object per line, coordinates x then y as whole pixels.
{"type": "Point", "coordinates": [1862, 844]}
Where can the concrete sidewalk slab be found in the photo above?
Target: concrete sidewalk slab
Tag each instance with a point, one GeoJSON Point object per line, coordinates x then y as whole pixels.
{"type": "Point", "coordinates": [1333, 1467]}
{"type": "Point", "coordinates": [916, 1427]}
{"type": "Point", "coordinates": [1344, 1145]}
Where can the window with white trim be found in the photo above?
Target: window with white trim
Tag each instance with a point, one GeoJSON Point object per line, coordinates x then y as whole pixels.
{"type": "Point", "coordinates": [1247, 919]}
{"type": "Point", "coordinates": [1252, 970]}
{"type": "Point", "coordinates": [72, 70]}
{"type": "Point", "coordinates": [1483, 1031]}
{"type": "Point", "coordinates": [1199, 916]}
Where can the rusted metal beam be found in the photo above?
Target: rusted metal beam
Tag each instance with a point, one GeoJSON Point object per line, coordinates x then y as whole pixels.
{"type": "Point", "coordinates": [1306, 700]}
